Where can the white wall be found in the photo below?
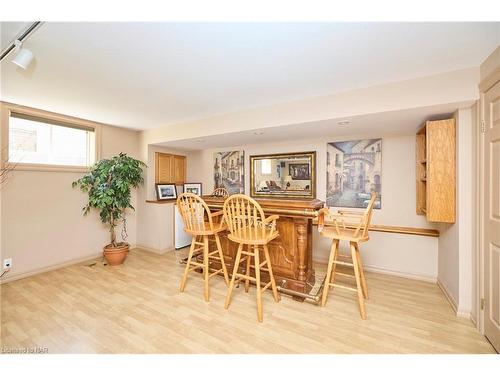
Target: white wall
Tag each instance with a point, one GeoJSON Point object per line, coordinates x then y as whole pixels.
{"type": "Point", "coordinates": [456, 241]}
{"type": "Point", "coordinates": [155, 228]}
{"type": "Point", "coordinates": [41, 214]}
{"type": "Point", "coordinates": [413, 256]}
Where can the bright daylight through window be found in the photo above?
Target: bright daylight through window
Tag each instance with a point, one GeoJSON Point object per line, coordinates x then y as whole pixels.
{"type": "Point", "coordinates": [39, 141]}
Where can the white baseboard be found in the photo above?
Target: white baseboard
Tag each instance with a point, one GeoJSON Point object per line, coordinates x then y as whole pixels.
{"type": "Point", "coordinates": [448, 296]}
{"type": "Point", "coordinates": [7, 278]}
{"type": "Point", "coordinates": [151, 250]}
{"type": "Point", "coordinates": [453, 303]}
{"type": "Point", "coordinates": [17, 276]}
{"type": "Point", "coordinates": [405, 275]}
{"type": "Point", "coordinates": [473, 320]}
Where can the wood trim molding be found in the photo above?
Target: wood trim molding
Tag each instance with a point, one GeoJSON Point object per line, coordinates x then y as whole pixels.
{"type": "Point", "coordinates": [163, 201]}
{"type": "Point", "coordinates": [399, 230]}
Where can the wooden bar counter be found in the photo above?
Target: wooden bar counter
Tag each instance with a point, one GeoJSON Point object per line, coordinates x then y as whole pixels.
{"type": "Point", "coordinates": [291, 252]}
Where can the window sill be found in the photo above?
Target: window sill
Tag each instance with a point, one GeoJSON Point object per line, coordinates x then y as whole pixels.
{"type": "Point", "coordinates": [46, 168]}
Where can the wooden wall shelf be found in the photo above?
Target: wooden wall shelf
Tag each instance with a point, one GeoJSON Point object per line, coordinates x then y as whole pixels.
{"type": "Point", "coordinates": [161, 201]}
{"type": "Point", "coordinates": [435, 171]}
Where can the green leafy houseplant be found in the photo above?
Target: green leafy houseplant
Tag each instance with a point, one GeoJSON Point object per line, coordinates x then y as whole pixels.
{"type": "Point", "coordinates": [108, 184]}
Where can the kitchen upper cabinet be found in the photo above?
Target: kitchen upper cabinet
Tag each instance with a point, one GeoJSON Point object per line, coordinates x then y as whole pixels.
{"type": "Point", "coordinates": [170, 168]}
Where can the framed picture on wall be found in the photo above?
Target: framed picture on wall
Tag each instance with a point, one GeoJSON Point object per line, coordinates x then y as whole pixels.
{"type": "Point", "coordinates": [166, 191]}
{"type": "Point", "coordinates": [229, 171]}
{"type": "Point", "coordinates": [193, 187]}
{"type": "Point", "coordinates": [354, 170]}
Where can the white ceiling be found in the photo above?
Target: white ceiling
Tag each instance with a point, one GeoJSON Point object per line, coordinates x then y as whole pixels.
{"type": "Point", "coordinates": [146, 75]}
{"type": "Point", "coordinates": [404, 122]}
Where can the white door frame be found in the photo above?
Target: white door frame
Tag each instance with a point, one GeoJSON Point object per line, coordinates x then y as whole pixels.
{"type": "Point", "coordinates": [485, 84]}
{"type": "Point", "coordinates": [480, 221]}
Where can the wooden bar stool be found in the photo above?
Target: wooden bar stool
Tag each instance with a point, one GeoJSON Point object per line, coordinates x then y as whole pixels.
{"type": "Point", "coordinates": [195, 213]}
{"type": "Point", "coordinates": [330, 228]}
{"type": "Point", "coordinates": [220, 192]}
{"type": "Point", "coordinates": [248, 226]}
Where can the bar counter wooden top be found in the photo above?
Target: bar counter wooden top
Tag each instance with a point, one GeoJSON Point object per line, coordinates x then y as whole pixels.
{"type": "Point", "coordinates": [291, 252]}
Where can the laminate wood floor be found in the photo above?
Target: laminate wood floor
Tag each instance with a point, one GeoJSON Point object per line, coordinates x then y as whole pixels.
{"type": "Point", "coordinates": [137, 308]}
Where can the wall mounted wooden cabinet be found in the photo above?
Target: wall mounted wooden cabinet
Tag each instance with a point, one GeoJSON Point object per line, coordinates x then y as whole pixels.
{"type": "Point", "coordinates": [436, 171]}
{"type": "Point", "coordinates": [170, 168]}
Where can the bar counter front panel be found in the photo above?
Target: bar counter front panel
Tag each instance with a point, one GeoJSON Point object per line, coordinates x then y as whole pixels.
{"type": "Point", "coordinates": [291, 252]}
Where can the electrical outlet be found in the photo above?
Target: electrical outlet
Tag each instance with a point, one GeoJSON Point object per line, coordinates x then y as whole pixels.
{"type": "Point", "coordinates": [7, 264]}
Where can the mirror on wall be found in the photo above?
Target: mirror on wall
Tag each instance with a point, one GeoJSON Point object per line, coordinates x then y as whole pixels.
{"type": "Point", "coordinates": [290, 175]}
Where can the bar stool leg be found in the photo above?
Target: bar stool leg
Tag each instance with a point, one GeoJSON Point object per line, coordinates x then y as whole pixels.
{"type": "Point", "coordinates": [188, 265]}
{"type": "Point", "coordinates": [206, 267]}
{"type": "Point", "coordinates": [271, 275]}
{"type": "Point", "coordinates": [361, 273]}
{"type": "Point", "coordinates": [331, 260]}
{"type": "Point", "coordinates": [257, 282]}
{"type": "Point", "coordinates": [247, 273]}
{"type": "Point", "coordinates": [221, 256]}
{"type": "Point", "coordinates": [334, 268]}
{"type": "Point", "coordinates": [233, 277]}
{"type": "Point", "coordinates": [361, 299]}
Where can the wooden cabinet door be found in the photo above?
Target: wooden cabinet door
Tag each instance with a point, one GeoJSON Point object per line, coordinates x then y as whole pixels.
{"type": "Point", "coordinates": [163, 165]}
{"type": "Point", "coordinates": [440, 199]}
{"type": "Point", "coordinates": [179, 169]}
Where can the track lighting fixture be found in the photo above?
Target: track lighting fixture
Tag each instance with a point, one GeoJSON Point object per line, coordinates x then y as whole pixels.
{"type": "Point", "coordinates": [23, 57]}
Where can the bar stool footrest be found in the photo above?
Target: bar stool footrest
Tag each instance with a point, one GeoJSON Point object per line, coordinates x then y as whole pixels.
{"type": "Point", "coordinates": [343, 287]}
{"type": "Point", "coordinates": [245, 277]}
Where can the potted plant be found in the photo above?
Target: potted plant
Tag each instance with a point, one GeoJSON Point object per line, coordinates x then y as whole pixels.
{"type": "Point", "coordinates": [108, 184]}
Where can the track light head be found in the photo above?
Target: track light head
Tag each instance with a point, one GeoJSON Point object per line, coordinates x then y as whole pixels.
{"type": "Point", "coordinates": [23, 57]}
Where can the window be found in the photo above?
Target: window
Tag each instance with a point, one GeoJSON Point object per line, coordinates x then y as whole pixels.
{"type": "Point", "coordinates": [34, 140]}
{"type": "Point", "coordinates": [266, 166]}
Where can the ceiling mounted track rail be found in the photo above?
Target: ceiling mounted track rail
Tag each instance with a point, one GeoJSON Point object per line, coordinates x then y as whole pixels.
{"type": "Point", "coordinates": [22, 37]}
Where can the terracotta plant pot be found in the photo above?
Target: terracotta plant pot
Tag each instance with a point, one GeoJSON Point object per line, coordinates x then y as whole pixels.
{"type": "Point", "coordinates": [116, 255]}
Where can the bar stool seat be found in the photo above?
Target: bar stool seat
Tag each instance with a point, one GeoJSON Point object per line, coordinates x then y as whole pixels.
{"type": "Point", "coordinates": [261, 238]}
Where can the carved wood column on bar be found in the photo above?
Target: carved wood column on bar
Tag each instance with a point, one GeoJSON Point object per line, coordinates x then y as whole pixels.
{"type": "Point", "coordinates": [301, 225]}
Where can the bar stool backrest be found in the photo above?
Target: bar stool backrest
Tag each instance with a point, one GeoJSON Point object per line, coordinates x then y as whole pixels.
{"type": "Point", "coordinates": [194, 210]}
{"type": "Point", "coordinates": [244, 217]}
{"type": "Point", "coordinates": [220, 192]}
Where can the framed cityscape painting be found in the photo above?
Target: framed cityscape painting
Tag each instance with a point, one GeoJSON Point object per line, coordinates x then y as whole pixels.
{"type": "Point", "coordinates": [353, 172]}
{"type": "Point", "coordinates": [228, 171]}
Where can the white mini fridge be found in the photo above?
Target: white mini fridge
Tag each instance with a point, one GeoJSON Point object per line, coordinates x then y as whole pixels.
{"type": "Point", "coordinates": [182, 239]}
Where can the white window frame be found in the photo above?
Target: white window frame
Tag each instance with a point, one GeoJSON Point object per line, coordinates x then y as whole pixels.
{"type": "Point", "coordinates": [8, 108]}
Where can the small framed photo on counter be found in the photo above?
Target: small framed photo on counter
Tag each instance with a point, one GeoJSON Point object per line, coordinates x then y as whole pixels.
{"type": "Point", "coordinates": [194, 187]}
{"type": "Point", "coordinates": [166, 191]}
